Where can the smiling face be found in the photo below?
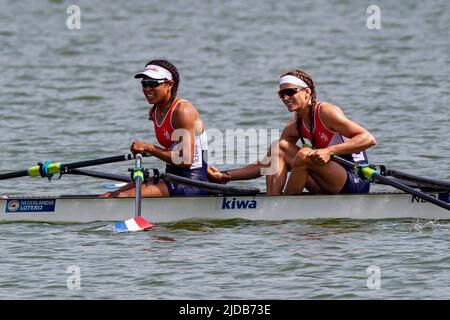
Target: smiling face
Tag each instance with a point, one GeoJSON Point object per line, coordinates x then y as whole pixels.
{"type": "Point", "coordinates": [156, 91]}
{"type": "Point", "coordinates": [294, 98]}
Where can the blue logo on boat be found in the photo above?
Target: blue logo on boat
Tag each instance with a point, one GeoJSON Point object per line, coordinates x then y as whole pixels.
{"type": "Point", "coordinates": [30, 205]}
{"type": "Point", "coordinates": [238, 204]}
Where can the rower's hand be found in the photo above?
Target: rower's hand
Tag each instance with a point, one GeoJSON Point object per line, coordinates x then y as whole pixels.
{"type": "Point", "coordinates": [141, 147]}
{"type": "Point", "coordinates": [214, 175]}
{"type": "Point", "coordinates": [320, 156]}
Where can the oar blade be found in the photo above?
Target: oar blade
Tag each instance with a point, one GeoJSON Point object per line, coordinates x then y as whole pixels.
{"type": "Point", "coordinates": [143, 223]}
{"type": "Point", "coordinates": [132, 225]}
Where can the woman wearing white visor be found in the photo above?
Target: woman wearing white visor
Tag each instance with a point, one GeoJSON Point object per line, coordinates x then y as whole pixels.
{"type": "Point", "coordinates": [329, 133]}
{"type": "Point", "coordinates": [178, 129]}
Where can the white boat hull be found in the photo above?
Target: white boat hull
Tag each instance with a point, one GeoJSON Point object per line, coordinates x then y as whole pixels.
{"type": "Point", "coordinates": [84, 209]}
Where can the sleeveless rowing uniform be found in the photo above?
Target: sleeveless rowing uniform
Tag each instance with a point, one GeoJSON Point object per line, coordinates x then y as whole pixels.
{"type": "Point", "coordinates": [325, 138]}
{"type": "Point", "coordinates": [198, 169]}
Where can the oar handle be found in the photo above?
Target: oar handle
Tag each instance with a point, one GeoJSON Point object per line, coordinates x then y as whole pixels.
{"type": "Point", "coordinates": [363, 170]}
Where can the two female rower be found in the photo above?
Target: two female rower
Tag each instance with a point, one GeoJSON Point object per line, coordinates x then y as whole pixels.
{"type": "Point", "coordinates": [329, 132]}
{"type": "Point", "coordinates": [179, 130]}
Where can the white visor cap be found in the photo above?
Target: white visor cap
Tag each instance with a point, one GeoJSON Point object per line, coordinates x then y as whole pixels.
{"type": "Point", "coordinates": [154, 72]}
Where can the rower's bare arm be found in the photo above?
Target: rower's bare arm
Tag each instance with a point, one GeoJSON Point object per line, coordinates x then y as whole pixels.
{"type": "Point", "coordinates": [290, 132]}
{"type": "Point", "coordinates": [359, 138]}
{"type": "Point", "coordinates": [184, 117]}
{"type": "Point", "coordinates": [252, 171]}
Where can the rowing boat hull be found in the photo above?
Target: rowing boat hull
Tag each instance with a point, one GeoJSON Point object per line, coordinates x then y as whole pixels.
{"type": "Point", "coordinates": [84, 209]}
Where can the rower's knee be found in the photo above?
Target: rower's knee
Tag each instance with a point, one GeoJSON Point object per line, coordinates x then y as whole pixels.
{"type": "Point", "coordinates": [279, 147]}
{"type": "Point", "coordinates": [301, 158]}
{"type": "Point", "coordinates": [286, 149]}
{"type": "Point", "coordinates": [283, 145]}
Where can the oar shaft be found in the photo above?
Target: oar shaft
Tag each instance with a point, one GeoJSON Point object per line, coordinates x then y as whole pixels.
{"type": "Point", "coordinates": [101, 175]}
{"type": "Point", "coordinates": [96, 162]}
{"type": "Point", "coordinates": [430, 182]}
{"type": "Point", "coordinates": [401, 186]}
{"type": "Point", "coordinates": [212, 187]}
{"type": "Point", "coordinates": [57, 168]}
{"type": "Point", "coordinates": [343, 162]}
{"type": "Point", "coordinates": [138, 178]}
{"type": "Point", "coordinates": [376, 176]}
{"type": "Point", "coordinates": [16, 174]}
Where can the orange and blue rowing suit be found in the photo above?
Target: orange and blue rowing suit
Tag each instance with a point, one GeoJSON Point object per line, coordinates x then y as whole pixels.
{"type": "Point", "coordinates": [198, 169]}
{"type": "Point", "coordinates": [325, 138]}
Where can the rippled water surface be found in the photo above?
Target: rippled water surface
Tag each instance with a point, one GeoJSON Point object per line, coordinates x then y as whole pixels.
{"type": "Point", "coordinates": [68, 95]}
{"type": "Point", "coordinates": [228, 260]}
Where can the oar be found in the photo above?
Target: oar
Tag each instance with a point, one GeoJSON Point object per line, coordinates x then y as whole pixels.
{"type": "Point", "coordinates": [373, 175]}
{"type": "Point", "coordinates": [212, 187]}
{"type": "Point", "coordinates": [208, 186]}
{"type": "Point", "coordinates": [101, 175]}
{"type": "Point", "coordinates": [137, 223]}
{"type": "Point", "coordinates": [423, 181]}
{"type": "Point", "coordinates": [48, 169]}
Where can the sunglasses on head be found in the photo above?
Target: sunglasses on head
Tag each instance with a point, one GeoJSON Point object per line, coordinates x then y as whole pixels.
{"type": "Point", "coordinates": [152, 83]}
{"type": "Point", "coordinates": [288, 92]}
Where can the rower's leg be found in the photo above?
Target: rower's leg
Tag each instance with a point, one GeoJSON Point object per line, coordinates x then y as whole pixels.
{"type": "Point", "coordinates": [312, 186]}
{"type": "Point", "coordinates": [286, 153]}
{"type": "Point", "coordinates": [328, 178]}
{"type": "Point", "coordinates": [152, 190]}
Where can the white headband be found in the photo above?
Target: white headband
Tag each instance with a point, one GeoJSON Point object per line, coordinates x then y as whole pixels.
{"type": "Point", "coordinates": [155, 72]}
{"type": "Point", "coordinates": [293, 80]}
